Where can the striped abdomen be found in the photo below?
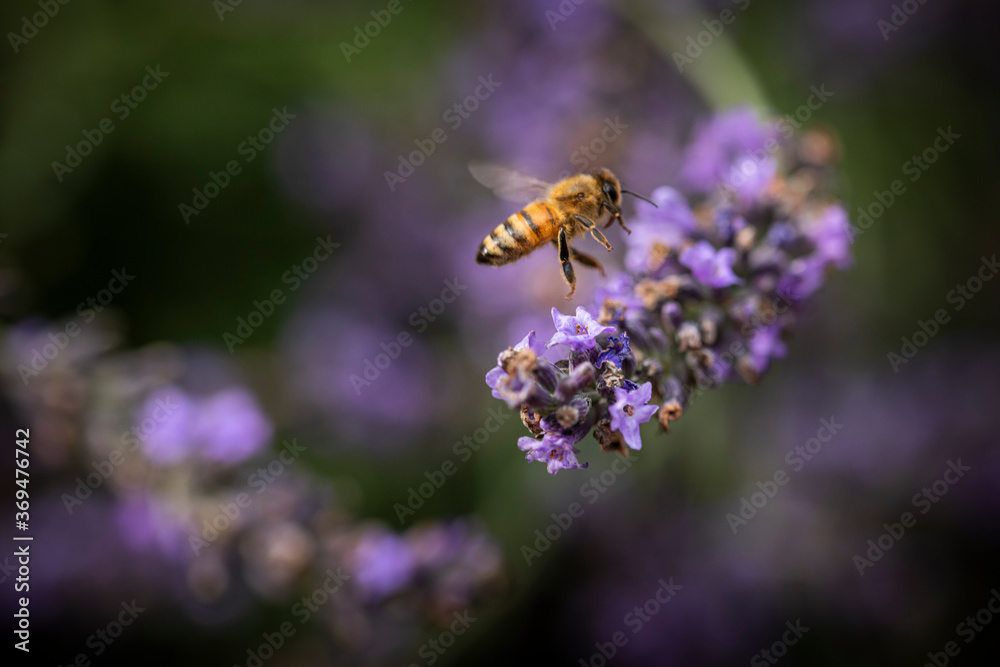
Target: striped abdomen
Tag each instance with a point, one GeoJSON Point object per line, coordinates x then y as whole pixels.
{"type": "Point", "coordinates": [515, 237]}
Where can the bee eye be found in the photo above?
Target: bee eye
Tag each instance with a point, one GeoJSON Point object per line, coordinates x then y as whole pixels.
{"type": "Point", "coordinates": [609, 190]}
{"type": "Point", "coordinates": [581, 196]}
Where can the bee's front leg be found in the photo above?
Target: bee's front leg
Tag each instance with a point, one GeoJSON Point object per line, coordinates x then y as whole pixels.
{"type": "Point", "coordinates": [598, 236]}
{"type": "Point", "coordinates": [616, 214]}
{"type": "Point", "coordinates": [567, 269]}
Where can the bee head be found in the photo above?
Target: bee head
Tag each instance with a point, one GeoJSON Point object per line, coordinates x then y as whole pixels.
{"type": "Point", "coordinates": [609, 185]}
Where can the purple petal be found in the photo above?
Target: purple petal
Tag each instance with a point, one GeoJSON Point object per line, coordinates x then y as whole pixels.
{"type": "Point", "coordinates": [630, 433]}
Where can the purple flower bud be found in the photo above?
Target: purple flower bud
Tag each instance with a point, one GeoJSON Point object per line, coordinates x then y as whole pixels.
{"type": "Point", "coordinates": [580, 378]}
{"type": "Point", "coordinates": [672, 315]}
{"type": "Point", "coordinates": [567, 417]}
{"type": "Point", "coordinates": [688, 337]}
{"type": "Point", "coordinates": [547, 375]}
{"type": "Point", "coordinates": [673, 391]}
{"type": "Point", "coordinates": [711, 321]}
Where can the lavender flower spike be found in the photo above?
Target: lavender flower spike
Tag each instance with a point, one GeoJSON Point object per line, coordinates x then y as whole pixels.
{"type": "Point", "coordinates": [710, 293]}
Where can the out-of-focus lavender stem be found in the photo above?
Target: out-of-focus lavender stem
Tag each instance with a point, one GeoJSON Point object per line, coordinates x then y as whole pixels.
{"type": "Point", "coordinates": [719, 73]}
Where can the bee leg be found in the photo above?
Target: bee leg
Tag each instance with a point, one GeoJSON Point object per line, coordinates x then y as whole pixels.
{"type": "Point", "coordinates": [567, 269]}
{"type": "Point", "coordinates": [614, 210]}
{"type": "Point", "coordinates": [586, 260]}
{"type": "Point", "coordinates": [616, 214]}
{"type": "Point", "coordinates": [598, 236]}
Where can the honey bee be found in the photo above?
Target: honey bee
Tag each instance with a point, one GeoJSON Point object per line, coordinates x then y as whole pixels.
{"type": "Point", "coordinates": [557, 213]}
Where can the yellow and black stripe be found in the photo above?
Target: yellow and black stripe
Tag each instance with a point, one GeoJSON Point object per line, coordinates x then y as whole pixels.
{"type": "Point", "coordinates": [518, 235]}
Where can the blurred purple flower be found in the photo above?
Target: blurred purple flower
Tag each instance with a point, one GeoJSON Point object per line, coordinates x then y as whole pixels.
{"type": "Point", "coordinates": [804, 276]}
{"type": "Point", "coordinates": [721, 147]}
{"type": "Point", "coordinates": [830, 232]}
{"type": "Point", "coordinates": [617, 296]}
{"type": "Point", "coordinates": [750, 176]}
{"type": "Point", "coordinates": [765, 345]}
{"type": "Point", "coordinates": [671, 209]}
{"type": "Point", "coordinates": [231, 426]}
{"type": "Point", "coordinates": [146, 527]}
{"type": "Point", "coordinates": [382, 564]}
{"type": "Point", "coordinates": [105, 551]}
{"type": "Point", "coordinates": [659, 228]}
{"type": "Point", "coordinates": [227, 427]}
{"type": "Point", "coordinates": [168, 437]}
{"type": "Point", "coordinates": [342, 384]}
{"type": "Point", "coordinates": [710, 266]}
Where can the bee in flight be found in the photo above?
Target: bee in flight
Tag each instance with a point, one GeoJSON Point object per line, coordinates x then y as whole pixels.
{"type": "Point", "coordinates": [557, 213]}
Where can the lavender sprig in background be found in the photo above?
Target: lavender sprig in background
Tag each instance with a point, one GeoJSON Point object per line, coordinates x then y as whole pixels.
{"type": "Point", "coordinates": [709, 296]}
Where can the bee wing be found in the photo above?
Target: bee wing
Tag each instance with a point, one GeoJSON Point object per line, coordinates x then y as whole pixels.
{"type": "Point", "coordinates": [509, 184]}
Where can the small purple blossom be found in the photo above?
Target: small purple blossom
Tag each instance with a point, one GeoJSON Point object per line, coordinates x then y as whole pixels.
{"type": "Point", "coordinates": [555, 450]}
{"type": "Point", "coordinates": [520, 387]}
{"type": "Point", "coordinates": [616, 351]}
{"type": "Point", "coordinates": [580, 332]}
{"type": "Point", "coordinates": [630, 410]}
{"type": "Point", "coordinates": [711, 267]}
{"type": "Point", "coordinates": [529, 342]}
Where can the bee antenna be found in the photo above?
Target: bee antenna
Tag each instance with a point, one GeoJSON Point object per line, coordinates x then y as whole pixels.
{"type": "Point", "coordinates": [629, 192]}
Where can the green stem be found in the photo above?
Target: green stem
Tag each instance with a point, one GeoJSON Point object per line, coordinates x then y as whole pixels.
{"type": "Point", "coordinates": [719, 73]}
